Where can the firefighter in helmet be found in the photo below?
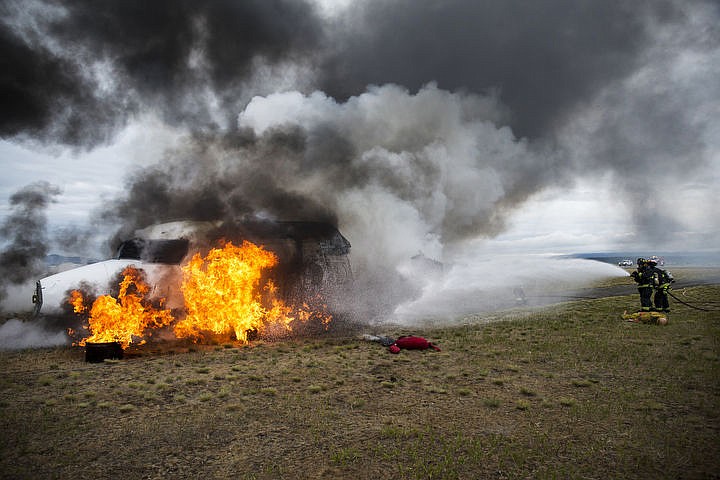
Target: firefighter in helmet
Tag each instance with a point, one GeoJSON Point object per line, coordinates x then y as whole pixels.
{"type": "Point", "coordinates": [643, 276]}
{"type": "Point", "coordinates": [661, 283]}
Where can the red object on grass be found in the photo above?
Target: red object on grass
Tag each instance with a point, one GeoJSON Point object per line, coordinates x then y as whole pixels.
{"type": "Point", "coordinates": [411, 343]}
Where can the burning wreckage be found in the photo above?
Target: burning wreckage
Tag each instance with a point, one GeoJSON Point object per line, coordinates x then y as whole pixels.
{"type": "Point", "coordinates": [200, 280]}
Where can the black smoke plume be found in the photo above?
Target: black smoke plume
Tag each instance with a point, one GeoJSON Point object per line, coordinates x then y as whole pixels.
{"type": "Point", "coordinates": [23, 234]}
{"type": "Point", "coordinates": [543, 56]}
{"type": "Point", "coordinates": [80, 70]}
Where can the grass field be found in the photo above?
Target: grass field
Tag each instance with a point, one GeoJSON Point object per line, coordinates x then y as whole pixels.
{"type": "Point", "coordinates": [565, 391]}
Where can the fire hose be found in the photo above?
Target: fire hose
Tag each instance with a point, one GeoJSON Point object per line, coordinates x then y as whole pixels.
{"type": "Point", "coordinates": [691, 306]}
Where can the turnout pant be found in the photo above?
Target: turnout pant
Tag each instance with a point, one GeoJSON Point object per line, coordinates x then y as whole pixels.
{"type": "Point", "coordinates": [646, 298]}
{"type": "Point", "coordinates": [661, 299]}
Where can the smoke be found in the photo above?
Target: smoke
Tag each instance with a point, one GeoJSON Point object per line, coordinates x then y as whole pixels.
{"type": "Point", "coordinates": [435, 155]}
{"type": "Point", "coordinates": [76, 72]}
{"type": "Point", "coordinates": [544, 56]}
{"type": "Point", "coordinates": [622, 88]}
{"type": "Point", "coordinates": [403, 173]}
{"type": "Point", "coordinates": [656, 130]}
{"type": "Point", "coordinates": [414, 126]}
{"type": "Point", "coordinates": [16, 334]}
{"type": "Point", "coordinates": [23, 234]}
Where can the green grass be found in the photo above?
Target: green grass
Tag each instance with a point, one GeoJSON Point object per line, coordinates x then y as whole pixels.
{"type": "Point", "coordinates": [567, 391]}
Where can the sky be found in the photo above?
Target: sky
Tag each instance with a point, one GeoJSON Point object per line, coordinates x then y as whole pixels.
{"type": "Point", "coordinates": [552, 126]}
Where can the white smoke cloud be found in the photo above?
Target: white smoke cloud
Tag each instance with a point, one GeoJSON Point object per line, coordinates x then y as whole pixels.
{"type": "Point", "coordinates": [425, 173]}
{"type": "Point", "coordinates": [427, 166]}
{"type": "Point", "coordinates": [16, 334]}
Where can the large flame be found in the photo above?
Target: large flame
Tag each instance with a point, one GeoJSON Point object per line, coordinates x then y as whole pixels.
{"type": "Point", "coordinates": [129, 317]}
{"type": "Point", "coordinates": [227, 293]}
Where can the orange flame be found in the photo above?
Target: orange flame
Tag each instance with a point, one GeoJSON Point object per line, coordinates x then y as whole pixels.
{"type": "Point", "coordinates": [77, 301]}
{"type": "Point", "coordinates": [123, 319]}
{"type": "Point", "coordinates": [227, 293]}
{"type": "Point", "coordinates": [223, 293]}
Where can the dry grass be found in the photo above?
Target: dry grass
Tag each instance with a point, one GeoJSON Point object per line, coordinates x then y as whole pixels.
{"type": "Point", "coordinates": [569, 391]}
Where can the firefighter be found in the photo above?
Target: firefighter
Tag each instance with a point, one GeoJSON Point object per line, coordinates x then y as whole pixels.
{"type": "Point", "coordinates": [643, 276]}
{"type": "Point", "coordinates": [661, 283]}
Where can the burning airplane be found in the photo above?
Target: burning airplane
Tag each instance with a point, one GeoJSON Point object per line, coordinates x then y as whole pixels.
{"type": "Point", "coordinates": [194, 280]}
